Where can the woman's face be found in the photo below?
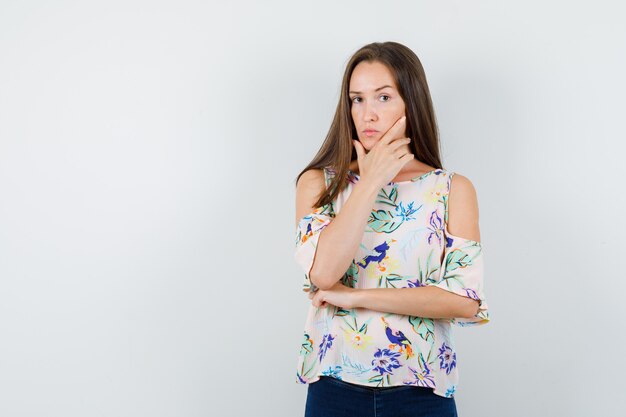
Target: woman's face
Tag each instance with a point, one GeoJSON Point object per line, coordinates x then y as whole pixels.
{"type": "Point", "coordinates": [375, 102]}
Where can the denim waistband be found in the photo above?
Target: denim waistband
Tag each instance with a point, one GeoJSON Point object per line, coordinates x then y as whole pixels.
{"type": "Point", "coordinates": [365, 387]}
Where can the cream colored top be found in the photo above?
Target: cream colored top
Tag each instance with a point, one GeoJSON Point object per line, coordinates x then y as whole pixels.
{"type": "Point", "coordinates": [405, 244]}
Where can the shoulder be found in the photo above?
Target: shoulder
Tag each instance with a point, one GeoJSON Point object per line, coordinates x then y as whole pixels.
{"type": "Point", "coordinates": [461, 187]}
{"type": "Point", "coordinates": [309, 188]}
{"type": "Point", "coordinates": [462, 208]}
{"type": "Point", "coordinates": [311, 179]}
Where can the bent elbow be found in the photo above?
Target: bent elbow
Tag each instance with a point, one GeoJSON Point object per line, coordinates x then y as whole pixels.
{"type": "Point", "coordinates": [322, 280]}
{"type": "Point", "coordinates": [320, 283]}
{"type": "Point", "coordinates": [325, 286]}
{"type": "Point", "coordinates": [315, 279]}
{"type": "Point", "coordinates": [472, 308]}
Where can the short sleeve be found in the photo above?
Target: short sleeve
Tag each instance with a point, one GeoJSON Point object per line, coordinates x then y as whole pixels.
{"type": "Point", "coordinates": [307, 235]}
{"type": "Point", "coordinates": [462, 270]}
{"type": "Point", "coordinates": [463, 274]}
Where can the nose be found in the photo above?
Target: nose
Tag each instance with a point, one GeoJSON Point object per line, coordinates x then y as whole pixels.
{"type": "Point", "coordinates": [369, 113]}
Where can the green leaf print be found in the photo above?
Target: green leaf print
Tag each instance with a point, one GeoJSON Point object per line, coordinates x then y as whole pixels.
{"type": "Point", "coordinates": [383, 221]}
{"type": "Point", "coordinates": [389, 198]}
{"type": "Point", "coordinates": [350, 278]}
{"type": "Point", "coordinates": [459, 259]}
{"type": "Point", "coordinates": [352, 366]}
{"type": "Point", "coordinates": [363, 328]}
{"type": "Point", "coordinates": [424, 327]}
{"type": "Point", "coordinates": [307, 345]}
{"type": "Point", "coordinates": [342, 312]}
{"type": "Point", "coordinates": [378, 379]}
{"type": "Point", "coordinates": [389, 280]}
{"type": "Point", "coordinates": [304, 373]}
{"type": "Point", "coordinates": [427, 274]}
{"type": "Point", "coordinates": [431, 360]}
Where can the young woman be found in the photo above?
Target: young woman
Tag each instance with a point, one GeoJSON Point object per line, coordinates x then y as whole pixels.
{"type": "Point", "coordinates": [390, 247]}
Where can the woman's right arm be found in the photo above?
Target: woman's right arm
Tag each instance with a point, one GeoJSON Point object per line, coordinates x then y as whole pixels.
{"type": "Point", "coordinates": [338, 241]}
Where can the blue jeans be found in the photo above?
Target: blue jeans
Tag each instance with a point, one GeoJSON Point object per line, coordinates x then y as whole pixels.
{"type": "Point", "coordinates": [332, 397]}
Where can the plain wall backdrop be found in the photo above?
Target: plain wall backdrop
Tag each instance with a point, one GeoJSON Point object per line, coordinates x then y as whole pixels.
{"type": "Point", "coordinates": [148, 155]}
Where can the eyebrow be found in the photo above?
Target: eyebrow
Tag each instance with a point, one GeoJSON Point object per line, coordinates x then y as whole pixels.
{"type": "Point", "coordinates": [379, 88]}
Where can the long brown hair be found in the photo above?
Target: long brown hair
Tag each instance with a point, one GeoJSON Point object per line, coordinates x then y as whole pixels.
{"type": "Point", "coordinates": [337, 151]}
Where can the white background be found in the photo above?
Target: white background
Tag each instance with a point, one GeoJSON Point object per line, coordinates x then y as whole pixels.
{"type": "Point", "coordinates": [148, 154]}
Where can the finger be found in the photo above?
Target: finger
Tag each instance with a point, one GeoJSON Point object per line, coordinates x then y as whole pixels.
{"type": "Point", "coordinates": [401, 152]}
{"type": "Point", "coordinates": [360, 151]}
{"type": "Point", "coordinates": [318, 300]}
{"type": "Point", "coordinates": [401, 143]}
{"type": "Point", "coordinates": [395, 131]}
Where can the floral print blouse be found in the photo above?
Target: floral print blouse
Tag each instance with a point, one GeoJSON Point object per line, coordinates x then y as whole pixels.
{"type": "Point", "coordinates": [405, 244]}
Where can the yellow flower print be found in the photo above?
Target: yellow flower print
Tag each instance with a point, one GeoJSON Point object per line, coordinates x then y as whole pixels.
{"type": "Point", "coordinates": [357, 340]}
{"type": "Point", "coordinates": [385, 267]}
{"type": "Point", "coordinates": [435, 193]}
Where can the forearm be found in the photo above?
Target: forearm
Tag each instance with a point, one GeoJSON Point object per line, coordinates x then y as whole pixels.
{"type": "Point", "coordinates": [339, 241]}
{"type": "Point", "coordinates": [431, 302]}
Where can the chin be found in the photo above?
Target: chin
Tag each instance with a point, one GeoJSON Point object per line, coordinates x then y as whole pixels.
{"type": "Point", "coordinates": [369, 145]}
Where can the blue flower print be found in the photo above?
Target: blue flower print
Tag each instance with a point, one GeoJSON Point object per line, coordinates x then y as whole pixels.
{"type": "Point", "coordinates": [471, 293]}
{"type": "Point", "coordinates": [448, 358]}
{"type": "Point", "coordinates": [414, 284]}
{"type": "Point", "coordinates": [327, 342]}
{"type": "Point", "coordinates": [422, 378]}
{"type": "Point", "coordinates": [385, 360]}
{"type": "Point", "coordinates": [333, 372]}
{"type": "Point", "coordinates": [436, 228]}
{"type": "Point", "coordinates": [406, 212]}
